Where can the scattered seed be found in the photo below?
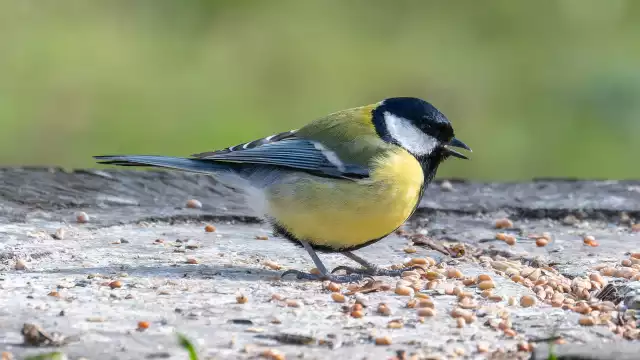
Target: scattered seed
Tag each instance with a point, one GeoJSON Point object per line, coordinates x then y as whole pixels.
{"type": "Point", "coordinates": [453, 273]}
{"type": "Point", "coordinates": [412, 303]}
{"type": "Point", "coordinates": [524, 346]}
{"type": "Point", "coordinates": [486, 285]}
{"type": "Point", "coordinates": [626, 273]}
{"type": "Point", "coordinates": [495, 298]}
{"type": "Point", "coordinates": [272, 265]}
{"type": "Point", "coordinates": [273, 354]}
{"type": "Point", "coordinates": [511, 301]}
{"type": "Point", "coordinates": [432, 275]}
{"type": "Point", "coordinates": [541, 242]}
{"type": "Point", "coordinates": [356, 307]}
{"type": "Point", "coordinates": [482, 348]}
{"type": "Point", "coordinates": [468, 281]}
{"type": "Point", "coordinates": [483, 277]}
{"type": "Point", "coordinates": [460, 322]}
{"type": "Point", "coordinates": [82, 217]}
{"type": "Point", "coordinates": [587, 321]}
{"type": "Point", "coordinates": [115, 284]}
{"type": "Point", "coordinates": [448, 289]}
{"type": "Point", "coordinates": [404, 290]}
{"type": "Point", "coordinates": [192, 261]}
{"type": "Point", "coordinates": [143, 325]}
{"type": "Point", "coordinates": [419, 261]}
{"type": "Point", "coordinates": [582, 308]}
{"type": "Point", "coordinates": [20, 265]}
{"type": "Point", "coordinates": [517, 278]}
{"type": "Point", "coordinates": [54, 294]}
{"type": "Point", "coordinates": [446, 186]}
{"type": "Point", "coordinates": [607, 271]}
{"type": "Point", "coordinates": [464, 314]}
{"type": "Point", "coordinates": [501, 236]}
{"type": "Point", "coordinates": [426, 312]}
{"type": "Point", "coordinates": [194, 204]}
{"type": "Point", "coordinates": [337, 297]}
{"type": "Point", "coordinates": [486, 293]}
{"type": "Point", "coordinates": [527, 301]}
{"type": "Point", "coordinates": [333, 287]}
{"type": "Point", "coordinates": [357, 314]}
{"type": "Point", "coordinates": [458, 312]}
{"type": "Point", "coordinates": [510, 332]}
{"type": "Point", "coordinates": [383, 309]}
{"type": "Point", "coordinates": [510, 240]}
{"type": "Point", "coordinates": [293, 303]}
{"type": "Point", "coordinates": [410, 250]}
{"type": "Point", "coordinates": [503, 223]}
{"type": "Point", "coordinates": [59, 234]}
{"type": "Point", "coordinates": [395, 324]}
{"type": "Point", "coordinates": [588, 240]}
{"type": "Point", "coordinates": [277, 297]}
{"type": "Point", "coordinates": [241, 299]}
{"type": "Point", "coordinates": [426, 303]}
{"type": "Point", "coordinates": [385, 340]}
{"type": "Point", "coordinates": [410, 275]}
{"type": "Point", "coordinates": [210, 228]}
{"type": "Point", "coordinates": [262, 237]}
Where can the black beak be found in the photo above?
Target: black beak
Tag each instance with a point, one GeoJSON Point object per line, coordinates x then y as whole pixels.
{"type": "Point", "coordinates": [458, 144]}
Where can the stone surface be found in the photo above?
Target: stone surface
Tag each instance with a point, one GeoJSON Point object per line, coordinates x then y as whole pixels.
{"type": "Point", "coordinates": [129, 210]}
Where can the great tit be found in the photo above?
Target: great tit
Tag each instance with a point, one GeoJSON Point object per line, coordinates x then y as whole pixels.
{"type": "Point", "coordinates": [337, 184]}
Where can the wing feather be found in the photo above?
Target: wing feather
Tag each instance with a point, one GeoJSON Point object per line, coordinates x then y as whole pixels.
{"type": "Point", "coordinates": [286, 150]}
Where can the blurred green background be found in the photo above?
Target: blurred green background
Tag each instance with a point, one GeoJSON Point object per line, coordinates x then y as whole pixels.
{"type": "Point", "coordinates": [537, 89]}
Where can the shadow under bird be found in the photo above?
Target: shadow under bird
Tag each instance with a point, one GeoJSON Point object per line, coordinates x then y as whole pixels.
{"type": "Point", "coordinates": [337, 184]}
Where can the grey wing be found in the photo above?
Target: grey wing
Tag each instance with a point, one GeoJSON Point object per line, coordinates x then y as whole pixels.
{"type": "Point", "coordinates": [269, 139]}
{"type": "Point", "coordinates": [285, 150]}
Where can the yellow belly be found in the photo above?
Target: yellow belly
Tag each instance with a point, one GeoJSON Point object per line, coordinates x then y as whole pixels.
{"type": "Point", "coordinates": [343, 213]}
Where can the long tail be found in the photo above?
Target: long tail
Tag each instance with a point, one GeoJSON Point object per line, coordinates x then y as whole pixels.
{"type": "Point", "coordinates": [191, 165]}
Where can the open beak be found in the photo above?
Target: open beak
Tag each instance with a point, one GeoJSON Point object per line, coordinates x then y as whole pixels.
{"type": "Point", "coordinates": [457, 144]}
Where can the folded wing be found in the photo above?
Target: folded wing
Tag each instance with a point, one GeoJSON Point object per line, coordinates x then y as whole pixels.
{"type": "Point", "coordinates": [290, 152]}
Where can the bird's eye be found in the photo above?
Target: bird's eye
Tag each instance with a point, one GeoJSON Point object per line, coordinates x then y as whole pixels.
{"type": "Point", "coordinates": [439, 130]}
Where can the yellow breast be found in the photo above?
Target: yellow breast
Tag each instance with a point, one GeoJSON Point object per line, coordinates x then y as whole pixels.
{"type": "Point", "coordinates": [343, 213]}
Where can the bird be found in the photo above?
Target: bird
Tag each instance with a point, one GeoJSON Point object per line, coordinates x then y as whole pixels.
{"type": "Point", "coordinates": [337, 184]}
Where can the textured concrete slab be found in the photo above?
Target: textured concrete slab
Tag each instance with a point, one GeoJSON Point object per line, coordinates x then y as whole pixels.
{"type": "Point", "coordinates": [189, 281]}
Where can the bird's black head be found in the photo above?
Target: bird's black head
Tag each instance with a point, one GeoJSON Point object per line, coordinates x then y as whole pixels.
{"type": "Point", "coordinates": [417, 126]}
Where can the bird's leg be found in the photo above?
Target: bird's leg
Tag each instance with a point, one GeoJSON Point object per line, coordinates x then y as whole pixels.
{"type": "Point", "coordinates": [324, 274]}
{"type": "Point", "coordinates": [369, 268]}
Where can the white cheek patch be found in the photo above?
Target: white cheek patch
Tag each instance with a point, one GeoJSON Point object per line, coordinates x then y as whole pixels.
{"type": "Point", "coordinates": [409, 136]}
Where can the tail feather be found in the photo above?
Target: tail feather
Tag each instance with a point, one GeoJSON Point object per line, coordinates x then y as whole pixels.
{"type": "Point", "coordinates": [192, 165]}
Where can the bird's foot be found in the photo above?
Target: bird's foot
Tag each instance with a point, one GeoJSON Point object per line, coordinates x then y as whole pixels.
{"type": "Point", "coordinates": [374, 270]}
{"type": "Point", "coordinates": [354, 277]}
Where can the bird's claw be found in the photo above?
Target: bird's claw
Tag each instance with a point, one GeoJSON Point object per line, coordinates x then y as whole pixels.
{"type": "Point", "coordinates": [374, 271]}
{"type": "Point", "coordinates": [349, 278]}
